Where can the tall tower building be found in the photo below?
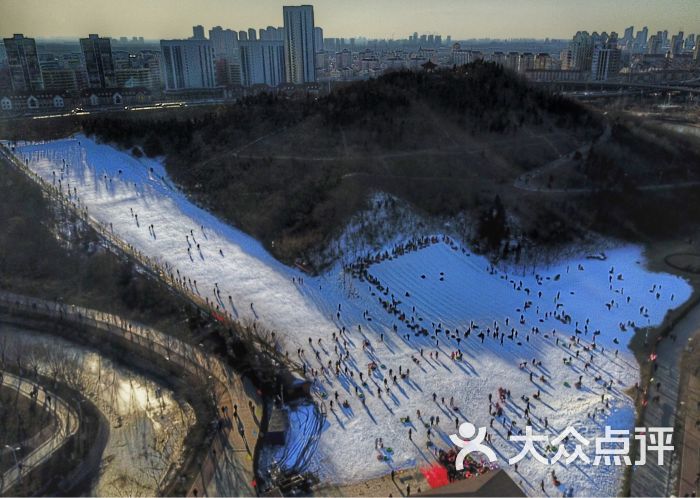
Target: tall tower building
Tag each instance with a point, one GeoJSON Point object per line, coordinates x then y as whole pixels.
{"type": "Point", "coordinates": [97, 53]}
{"type": "Point", "coordinates": [299, 46]}
{"type": "Point", "coordinates": [25, 71]}
{"type": "Point", "coordinates": [187, 64]}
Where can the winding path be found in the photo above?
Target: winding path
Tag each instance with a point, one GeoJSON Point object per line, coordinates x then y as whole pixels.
{"type": "Point", "coordinates": [67, 423]}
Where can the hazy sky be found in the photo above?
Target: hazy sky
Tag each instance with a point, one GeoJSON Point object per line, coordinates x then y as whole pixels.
{"type": "Point", "coordinates": [371, 18]}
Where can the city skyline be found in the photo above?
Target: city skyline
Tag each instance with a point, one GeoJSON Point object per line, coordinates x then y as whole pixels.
{"type": "Point", "coordinates": [391, 19]}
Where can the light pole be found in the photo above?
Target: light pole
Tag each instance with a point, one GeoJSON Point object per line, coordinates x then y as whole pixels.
{"type": "Point", "coordinates": [14, 455]}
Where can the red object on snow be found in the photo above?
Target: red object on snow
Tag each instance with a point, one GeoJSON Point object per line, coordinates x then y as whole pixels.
{"type": "Point", "coordinates": [217, 317]}
{"type": "Point", "coordinates": [436, 475]}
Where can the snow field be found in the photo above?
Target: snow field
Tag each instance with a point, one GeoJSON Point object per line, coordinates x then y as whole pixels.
{"type": "Point", "coordinates": [441, 288]}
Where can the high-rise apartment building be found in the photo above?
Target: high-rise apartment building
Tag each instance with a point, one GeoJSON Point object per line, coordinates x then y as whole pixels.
{"type": "Point", "coordinates": [582, 51]}
{"type": "Point", "coordinates": [262, 62]}
{"type": "Point", "coordinates": [299, 49]}
{"type": "Point", "coordinates": [187, 64]}
{"type": "Point", "coordinates": [23, 61]}
{"type": "Point", "coordinates": [224, 43]}
{"type": "Point", "coordinates": [606, 59]}
{"type": "Point", "coordinates": [318, 39]}
{"type": "Point", "coordinates": [99, 65]}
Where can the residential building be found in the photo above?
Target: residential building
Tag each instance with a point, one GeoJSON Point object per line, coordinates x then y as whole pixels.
{"type": "Point", "coordinates": [97, 58]}
{"type": "Point", "coordinates": [318, 39]}
{"type": "Point", "coordinates": [198, 32]}
{"type": "Point", "coordinates": [60, 79]}
{"type": "Point", "coordinates": [22, 59]}
{"type": "Point", "coordinates": [187, 64]}
{"type": "Point", "coordinates": [606, 59]}
{"type": "Point", "coordinates": [343, 59]}
{"type": "Point", "coordinates": [526, 62]}
{"type": "Point", "coordinates": [299, 44]}
{"type": "Point", "coordinates": [224, 43]}
{"type": "Point", "coordinates": [262, 62]}
{"type": "Point", "coordinates": [582, 51]}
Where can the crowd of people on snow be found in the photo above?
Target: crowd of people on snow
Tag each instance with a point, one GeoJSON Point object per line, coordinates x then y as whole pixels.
{"type": "Point", "coordinates": [336, 366]}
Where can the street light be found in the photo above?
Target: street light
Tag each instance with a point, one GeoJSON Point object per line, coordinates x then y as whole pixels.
{"type": "Point", "coordinates": [14, 452]}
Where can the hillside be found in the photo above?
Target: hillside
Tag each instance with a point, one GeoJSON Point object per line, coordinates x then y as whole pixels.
{"type": "Point", "coordinates": [294, 172]}
{"type": "Point", "coordinates": [475, 146]}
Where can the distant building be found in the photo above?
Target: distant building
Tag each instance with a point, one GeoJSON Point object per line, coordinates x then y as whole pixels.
{"type": "Point", "coordinates": [581, 51]}
{"type": "Point", "coordinates": [343, 59]}
{"type": "Point", "coordinates": [224, 43]}
{"type": "Point", "coordinates": [655, 45]}
{"type": "Point", "coordinates": [318, 39]}
{"type": "Point", "coordinates": [512, 61]}
{"type": "Point", "coordinates": [187, 64]}
{"type": "Point", "coordinates": [677, 43]}
{"type": "Point", "coordinates": [499, 58]}
{"type": "Point", "coordinates": [252, 35]}
{"type": "Point", "coordinates": [60, 79]}
{"type": "Point", "coordinates": [198, 32]}
{"type": "Point", "coordinates": [22, 59]}
{"type": "Point", "coordinates": [606, 59]}
{"type": "Point", "coordinates": [262, 62]}
{"type": "Point", "coordinates": [543, 62]}
{"type": "Point", "coordinates": [99, 65]}
{"type": "Point", "coordinates": [526, 62]}
{"type": "Point", "coordinates": [299, 49]}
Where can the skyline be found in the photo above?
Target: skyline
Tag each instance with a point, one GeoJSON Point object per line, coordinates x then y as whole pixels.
{"type": "Point", "coordinates": [462, 19]}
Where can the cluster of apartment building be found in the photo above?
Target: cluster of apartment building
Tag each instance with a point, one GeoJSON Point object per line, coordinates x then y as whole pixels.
{"type": "Point", "coordinates": [224, 61]}
{"type": "Point", "coordinates": [270, 56]}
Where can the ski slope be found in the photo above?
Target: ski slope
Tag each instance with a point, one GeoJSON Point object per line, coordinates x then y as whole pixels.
{"type": "Point", "coordinates": [440, 288]}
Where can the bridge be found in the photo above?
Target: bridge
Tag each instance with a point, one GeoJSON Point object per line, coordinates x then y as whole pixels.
{"type": "Point", "coordinates": [688, 86]}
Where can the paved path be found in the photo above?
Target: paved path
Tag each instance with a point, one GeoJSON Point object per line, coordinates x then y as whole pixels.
{"type": "Point", "coordinates": [652, 479]}
{"type": "Point", "coordinates": [227, 468]}
{"type": "Point", "coordinates": [67, 425]}
{"type": "Point", "coordinates": [690, 450]}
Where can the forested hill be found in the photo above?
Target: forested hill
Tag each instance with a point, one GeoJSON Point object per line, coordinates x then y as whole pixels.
{"type": "Point", "coordinates": [292, 172]}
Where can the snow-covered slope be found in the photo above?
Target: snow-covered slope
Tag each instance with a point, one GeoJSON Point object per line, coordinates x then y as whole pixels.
{"type": "Point", "coordinates": [439, 286]}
